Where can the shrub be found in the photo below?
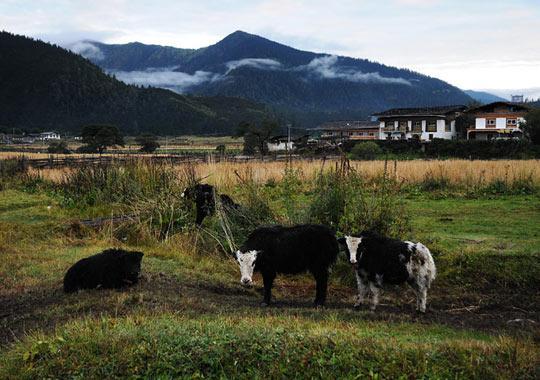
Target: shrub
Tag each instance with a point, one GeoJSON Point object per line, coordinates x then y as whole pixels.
{"type": "Point", "coordinates": [366, 151]}
{"type": "Point", "coordinates": [60, 147]}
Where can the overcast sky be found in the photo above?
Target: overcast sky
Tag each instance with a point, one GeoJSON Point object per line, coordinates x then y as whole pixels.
{"type": "Point", "coordinates": [477, 44]}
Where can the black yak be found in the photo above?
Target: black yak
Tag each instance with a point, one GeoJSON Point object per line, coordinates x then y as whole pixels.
{"type": "Point", "coordinates": [277, 249]}
{"type": "Point", "coordinates": [113, 268]}
{"type": "Point", "coordinates": [380, 260]}
{"type": "Point", "coordinates": [203, 196]}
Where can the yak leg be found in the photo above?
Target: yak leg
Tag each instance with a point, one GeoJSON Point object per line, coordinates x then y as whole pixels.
{"type": "Point", "coordinates": [268, 280]}
{"type": "Point", "coordinates": [374, 294]}
{"type": "Point", "coordinates": [322, 283]}
{"type": "Point", "coordinates": [362, 290]}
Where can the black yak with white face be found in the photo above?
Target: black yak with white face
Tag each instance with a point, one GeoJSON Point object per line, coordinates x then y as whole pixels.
{"type": "Point", "coordinates": [111, 269]}
{"type": "Point", "coordinates": [203, 196]}
{"type": "Point", "coordinates": [380, 260]}
{"type": "Point", "coordinates": [277, 249]}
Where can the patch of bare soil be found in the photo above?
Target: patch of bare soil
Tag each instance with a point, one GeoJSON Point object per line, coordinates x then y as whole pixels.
{"type": "Point", "coordinates": [45, 308]}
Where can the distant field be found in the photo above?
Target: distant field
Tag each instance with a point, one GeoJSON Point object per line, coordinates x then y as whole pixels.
{"type": "Point", "coordinates": [449, 172]}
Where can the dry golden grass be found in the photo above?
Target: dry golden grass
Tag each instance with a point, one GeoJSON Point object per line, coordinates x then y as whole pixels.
{"type": "Point", "coordinates": [223, 174]}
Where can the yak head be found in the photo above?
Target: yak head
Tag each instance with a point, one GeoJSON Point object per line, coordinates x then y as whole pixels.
{"type": "Point", "coordinates": [247, 261]}
{"type": "Point", "coordinates": [351, 244]}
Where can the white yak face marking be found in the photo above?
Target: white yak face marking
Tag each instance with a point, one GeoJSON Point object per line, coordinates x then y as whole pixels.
{"type": "Point", "coordinates": [183, 193]}
{"type": "Point", "coordinates": [352, 246]}
{"type": "Point", "coordinates": [247, 265]}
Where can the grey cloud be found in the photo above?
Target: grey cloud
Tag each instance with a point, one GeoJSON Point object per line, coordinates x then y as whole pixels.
{"type": "Point", "coordinates": [166, 77]}
{"type": "Point", "coordinates": [258, 63]}
{"type": "Point", "coordinates": [326, 67]}
{"type": "Point", "coordinates": [87, 50]}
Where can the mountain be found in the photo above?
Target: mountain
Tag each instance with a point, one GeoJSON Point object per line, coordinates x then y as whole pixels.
{"type": "Point", "coordinates": [484, 97]}
{"type": "Point", "coordinates": [307, 87]}
{"type": "Point", "coordinates": [46, 87]}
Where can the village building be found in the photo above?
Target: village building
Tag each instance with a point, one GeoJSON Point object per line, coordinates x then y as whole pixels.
{"type": "Point", "coordinates": [497, 120]}
{"type": "Point", "coordinates": [285, 143]}
{"type": "Point", "coordinates": [46, 136]}
{"type": "Point", "coordinates": [338, 131]}
{"type": "Point", "coordinates": [424, 124]}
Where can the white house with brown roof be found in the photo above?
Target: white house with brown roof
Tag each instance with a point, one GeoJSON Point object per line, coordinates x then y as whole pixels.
{"type": "Point", "coordinates": [425, 124]}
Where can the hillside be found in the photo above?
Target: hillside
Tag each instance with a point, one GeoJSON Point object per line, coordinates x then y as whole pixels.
{"type": "Point", "coordinates": [46, 87]}
{"type": "Point", "coordinates": [309, 87]}
{"type": "Point", "coordinates": [484, 97]}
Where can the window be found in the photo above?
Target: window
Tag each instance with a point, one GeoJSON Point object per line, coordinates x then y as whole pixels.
{"type": "Point", "coordinates": [431, 136]}
{"type": "Point", "coordinates": [490, 123]}
{"type": "Point", "coordinates": [511, 122]}
{"type": "Point", "coordinates": [447, 126]}
{"type": "Point", "coordinates": [431, 126]}
{"type": "Point", "coordinates": [417, 126]}
{"type": "Point", "coordinates": [371, 134]}
{"type": "Point", "coordinates": [389, 125]}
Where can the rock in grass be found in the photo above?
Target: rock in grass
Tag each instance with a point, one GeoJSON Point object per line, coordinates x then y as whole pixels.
{"type": "Point", "coordinates": [110, 269]}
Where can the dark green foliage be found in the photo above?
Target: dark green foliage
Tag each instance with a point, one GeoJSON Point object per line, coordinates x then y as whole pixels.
{"type": "Point", "coordinates": [98, 138]}
{"type": "Point", "coordinates": [47, 87]}
{"type": "Point", "coordinates": [58, 147]}
{"type": "Point", "coordinates": [469, 149]}
{"type": "Point", "coordinates": [532, 126]}
{"type": "Point", "coordinates": [366, 151]}
{"type": "Point", "coordinates": [147, 142]}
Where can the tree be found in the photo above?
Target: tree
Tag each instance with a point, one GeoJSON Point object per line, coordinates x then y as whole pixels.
{"type": "Point", "coordinates": [97, 138]}
{"type": "Point", "coordinates": [257, 136]}
{"type": "Point", "coordinates": [531, 127]}
{"type": "Point", "coordinates": [58, 147]}
{"type": "Point", "coordinates": [148, 143]}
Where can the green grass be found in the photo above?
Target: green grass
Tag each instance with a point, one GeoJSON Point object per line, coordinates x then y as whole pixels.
{"type": "Point", "coordinates": [191, 318]}
{"type": "Point", "coordinates": [264, 347]}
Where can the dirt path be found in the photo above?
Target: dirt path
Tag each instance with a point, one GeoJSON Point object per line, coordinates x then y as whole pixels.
{"type": "Point", "coordinates": [157, 293]}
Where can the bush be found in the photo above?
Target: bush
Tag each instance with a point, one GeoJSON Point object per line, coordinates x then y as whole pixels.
{"type": "Point", "coordinates": [60, 147]}
{"type": "Point", "coordinates": [366, 151]}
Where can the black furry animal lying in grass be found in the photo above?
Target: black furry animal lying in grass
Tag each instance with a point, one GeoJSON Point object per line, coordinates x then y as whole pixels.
{"type": "Point", "coordinates": [112, 268]}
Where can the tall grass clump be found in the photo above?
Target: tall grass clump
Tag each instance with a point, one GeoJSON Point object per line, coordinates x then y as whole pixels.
{"type": "Point", "coordinates": [148, 192]}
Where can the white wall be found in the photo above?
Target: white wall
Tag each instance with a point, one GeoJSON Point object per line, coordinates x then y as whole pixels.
{"type": "Point", "coordinates": [480, 123]}
{"type": "Point", "coordinates": [276, 147]}
{"type": "Point", "coordinates": [500, 122]}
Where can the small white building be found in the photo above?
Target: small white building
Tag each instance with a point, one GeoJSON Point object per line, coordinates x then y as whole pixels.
{"type": "Point", "coordinates": [424, 124]}
{"type": "Point", "coordinates": [46, 136]}
{"type": "Point", "coordinates": [497, 120]}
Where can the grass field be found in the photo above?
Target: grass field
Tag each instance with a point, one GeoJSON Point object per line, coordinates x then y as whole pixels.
{"type": "Point", "coordinates": [189, 316]}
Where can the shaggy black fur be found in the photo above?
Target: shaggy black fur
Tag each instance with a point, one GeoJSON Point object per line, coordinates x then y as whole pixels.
{"type": "Point", "coordinates": [382, 256]}
{"type": "Point", "coordinates": [203, 196]}
{"type": "Point", "coordinates": [292, 250]}
{"type": "Point", "coordinates": [113, 268]}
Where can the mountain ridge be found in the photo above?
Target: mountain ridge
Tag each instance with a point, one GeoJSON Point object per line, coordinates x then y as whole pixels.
{"type": "Point", "coordinates": [304, 86]}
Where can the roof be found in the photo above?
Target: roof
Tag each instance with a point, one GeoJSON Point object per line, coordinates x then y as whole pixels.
{"type": "Point", "coordinates": [422, 111]}
{"type": "Point", "coordinates": [346, 125]}
{"type": "Point", "coordinates": [490, 107]}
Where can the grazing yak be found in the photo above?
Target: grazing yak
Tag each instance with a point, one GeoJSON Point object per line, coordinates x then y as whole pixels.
{"type": "Point", "coordinates": [112, 268]}
{"type": "Point", "coordinates": [380, 260]}
{"type": "Point", "coordinates": [277, 249]}
{"type": "Point", "coordinates": [203, 196]}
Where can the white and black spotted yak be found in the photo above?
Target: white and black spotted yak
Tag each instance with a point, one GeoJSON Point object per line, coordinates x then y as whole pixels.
{"type": "Point", "coordinates": [380, 260]}
{"type": "Point", "coordinates": [203, 196]}
{"type": "Point", "coordinates": [289, 250]}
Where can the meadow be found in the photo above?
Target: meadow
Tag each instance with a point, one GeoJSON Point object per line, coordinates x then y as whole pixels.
{"type": "Point", "coordinates": [189, 316]}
